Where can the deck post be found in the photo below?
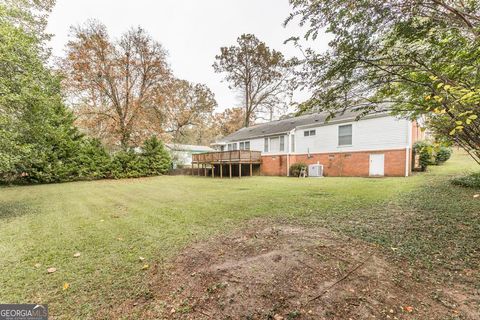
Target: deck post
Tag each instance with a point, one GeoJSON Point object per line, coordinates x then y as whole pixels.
{"type": "Point", "coordinates": [240, 170]}
{"type": "Point", "coordinates": [198, 169]}
{"type": "Point", "coordinates": [251, 169]}
{"type": "Point", "coordinates": [213, 170]}
{"type": "Point", "coordinates": [230, 170]}
{"type": "Point", "coordinates": [221, 171]}
{"type": "Point", "coordinates": [205, 169]}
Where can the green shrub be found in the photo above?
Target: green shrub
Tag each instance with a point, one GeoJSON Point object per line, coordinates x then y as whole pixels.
{"type": "Point", "coordinates": [155, 157]}
{"type": "Point", "coordinates": [425, 150]}
{"type": "Point", "coordinates": [93, 161]}
{"type": "Point", "coordinates": [152, 160]}
{"type": "Point", "coordinates": [469, 181]}
{"type": "Point", "coordinates": [296, 168]}
{"type": "Point", "coordinates": [127, 164]}
{"type": "Point", "coordinates": [442, 154]}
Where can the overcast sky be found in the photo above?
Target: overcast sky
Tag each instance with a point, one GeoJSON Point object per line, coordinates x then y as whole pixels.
{"type": "Point", "coordinates": [192, 31]}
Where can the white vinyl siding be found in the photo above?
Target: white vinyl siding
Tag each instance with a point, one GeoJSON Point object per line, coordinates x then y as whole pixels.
{"type": "Point", "coordinates": [383, 133]}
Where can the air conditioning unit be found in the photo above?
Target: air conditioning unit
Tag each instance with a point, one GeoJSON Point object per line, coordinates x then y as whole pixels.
{"type": "Point", "coordinates": [315, 170]}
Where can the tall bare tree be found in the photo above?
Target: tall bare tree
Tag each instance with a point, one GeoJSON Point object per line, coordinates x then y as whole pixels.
{"type": "Point", "coordinates": [260, 74]}
{"type": "Point", "coordinates": [113, 82]}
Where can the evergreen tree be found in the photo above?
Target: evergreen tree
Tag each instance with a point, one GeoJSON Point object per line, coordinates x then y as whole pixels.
{"type": "Point", "coordinates": [156, 159]}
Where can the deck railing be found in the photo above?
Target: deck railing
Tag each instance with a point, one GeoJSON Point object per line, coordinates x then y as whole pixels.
{"type": "Point", "coordinates": [234, 156]}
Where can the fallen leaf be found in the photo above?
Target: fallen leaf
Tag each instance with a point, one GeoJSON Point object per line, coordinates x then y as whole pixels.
{"type": "Point", "coordinates": [408, 308]}
{"type": "Point", "coordinates": [51, 270]}
{"type": "Point", "coordinates": [66, 285]}
{"type": "Point", "coordinates": [141, 258]}
{"type": "Point", "coordinates": [277, 317]}
{"type": "Point", "coordinates": [37, 265]}
{"type": "Point", "coordinates": [77, 254]}
{"type": "Point", "coordinates": [145, 267]}
{"type": "Point", "coordinates": [173, 310]}
{"type": "Point", "coordinates": [119, 238]}
{"type": "Point", "coordinates": [476, 195]}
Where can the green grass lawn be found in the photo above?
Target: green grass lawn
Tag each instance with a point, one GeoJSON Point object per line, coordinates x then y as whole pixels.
{"type": "Point", "coordinates": [112, 223]}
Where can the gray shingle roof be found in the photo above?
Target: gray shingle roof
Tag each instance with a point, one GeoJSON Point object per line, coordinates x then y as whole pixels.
{"type": "Point", "coordinates": [286, 125]}
{"type": "Point", "coordinates": [188, 147]}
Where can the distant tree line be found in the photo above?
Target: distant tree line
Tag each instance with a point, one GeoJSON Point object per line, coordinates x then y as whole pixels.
{"type": "Point", "coordinates": [123, 91]}
{"type": "Point", "coordinates": [102, 112]}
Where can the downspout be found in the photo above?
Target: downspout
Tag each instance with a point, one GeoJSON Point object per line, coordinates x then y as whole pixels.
{"type": "Point", "coordinates": [289, 150]}
{"type": "Point", "coordinates": [407, 150]}
{"type": "Point", "coordinates": [288, 153]}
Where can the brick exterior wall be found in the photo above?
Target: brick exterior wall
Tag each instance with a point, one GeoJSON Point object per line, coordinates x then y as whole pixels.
{"type": "Point", "coordinates": [348, 164]}
{"type": "Point", "coordinates": [274, 165]}
{"type": "Point", "coordinates": [417, 133]}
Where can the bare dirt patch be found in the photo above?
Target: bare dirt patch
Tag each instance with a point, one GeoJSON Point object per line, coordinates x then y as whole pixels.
{"type": "Point", "coordinates": [278, 271]}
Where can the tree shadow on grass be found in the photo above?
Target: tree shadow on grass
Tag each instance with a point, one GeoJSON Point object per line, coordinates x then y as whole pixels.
{"type": "Point", "coordinates": [13, 209]}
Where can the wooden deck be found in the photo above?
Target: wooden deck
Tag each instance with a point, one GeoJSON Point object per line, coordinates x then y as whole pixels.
{"type": "Point", "coordinates": [216, 163]}
{"type": "Point", "coordinates": [234, 157]}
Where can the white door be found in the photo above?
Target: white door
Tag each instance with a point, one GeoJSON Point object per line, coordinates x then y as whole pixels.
{"type": "Point", "coordinates": [377, 164]}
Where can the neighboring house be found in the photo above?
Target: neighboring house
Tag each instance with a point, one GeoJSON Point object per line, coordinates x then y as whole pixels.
{"type": "Point", "coordinates": [182, 153]}
{"type": "Point", "coordinates": [376, 145]}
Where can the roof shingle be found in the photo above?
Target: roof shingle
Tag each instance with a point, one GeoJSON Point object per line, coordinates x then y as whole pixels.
{"type": "Point", "coordinates": [286, 125]}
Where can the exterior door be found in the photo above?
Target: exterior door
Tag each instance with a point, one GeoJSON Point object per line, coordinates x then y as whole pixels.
{"type": "Point", "coordinates": [377, 165]}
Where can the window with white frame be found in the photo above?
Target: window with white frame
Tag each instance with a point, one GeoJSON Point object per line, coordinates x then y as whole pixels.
{"type": "Point", "coordinates": [274, 144]}
{"type": "Point", "coordinates": [293, 142]}
{"type": "Point", "coordinates": [309, 133]}
{"type": "Point", "coordinates": [345, 135]}
{"type": "Point", "coordinates": [265, 145]}
{"type": "Point", "coordinates": [244, 145]}
{"type": "Point", "coordinates": [282, 143]}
